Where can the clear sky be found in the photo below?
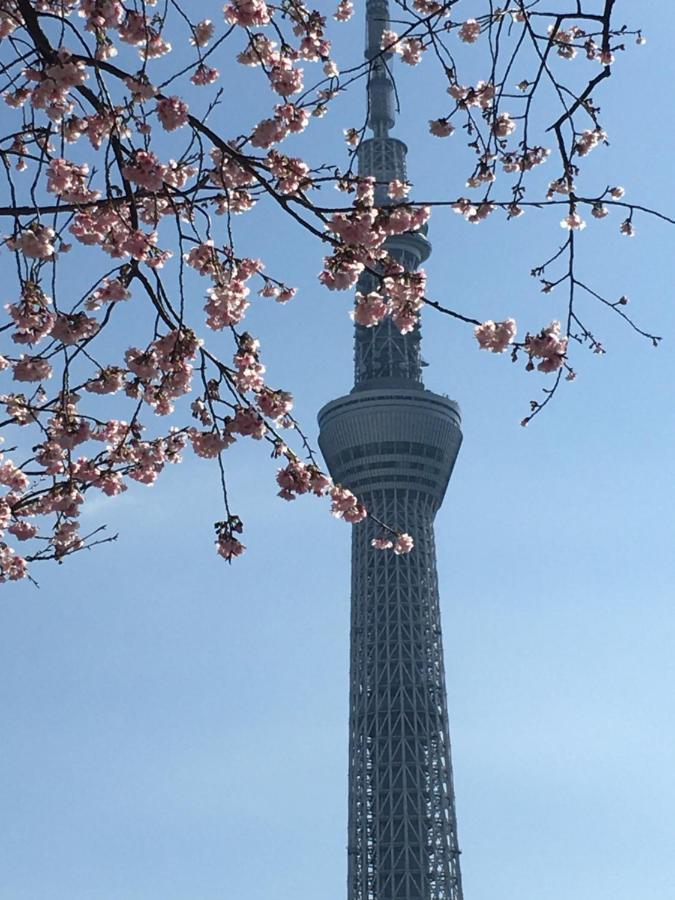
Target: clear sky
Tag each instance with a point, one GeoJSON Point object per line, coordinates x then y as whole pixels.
{"type": "Point", "coordinates": [173, 728]}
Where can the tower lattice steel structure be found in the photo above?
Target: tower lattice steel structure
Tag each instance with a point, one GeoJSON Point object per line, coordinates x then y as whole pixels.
{"type": "Point", "coordinates": [394, 443]}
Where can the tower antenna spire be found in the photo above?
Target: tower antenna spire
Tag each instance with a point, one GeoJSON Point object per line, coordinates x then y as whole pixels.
{"type": "Point", "coordinates": [381, 94]}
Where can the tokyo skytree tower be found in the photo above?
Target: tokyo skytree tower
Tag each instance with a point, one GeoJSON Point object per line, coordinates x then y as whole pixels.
{"type": "Point", "coordinates": [394, 444]}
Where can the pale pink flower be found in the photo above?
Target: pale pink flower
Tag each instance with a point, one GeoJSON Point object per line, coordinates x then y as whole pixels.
{"type": "Point", "coordinates": [590, 139]}
{"type": "Point", "coordinates": [469, 32]}
{"type": "Point", "coordinates": [274, 404]}
{"type": "Point", "coordinates": [382, 543]}
{"type": "Point", "coordinates": [441, 127]}
{"type": "Point", "coordinates": [209, 444]}
{"type": "Point", "coordinates": [247, 13]}
{"type": "Point", "coordinates": [229, 547]}
{"type": "Point", "coordinates": [503, 125]}
{"type": "Point", "coordinates": [294, 117]}
{"type": "Point", "coordinates": [12, 476]}
{"type": "Point", "coordinates": [32, 316]}
{"type": "Point", "coordinates": [285, 79]}
{"type": "Point", "coordinates": [70, 329]}
{"type": "Point", "coordinates": [36, 242]}
{"type": "Point", "coordinates": [146, 170]}
{"type": "Point", "coordinates": [268, 132]}
{"type": "Point", "coordinates": [495, 336]}
{"type": "Point", "coordinates": [548, 346]}
{"type": "Point", "coordinates": [294, 479]}
{"type": "Point", "coordinates": [369, 309]}
{"type": "Point", "coordinates": [573, 222]}
{"type": "Point", "coordinates": [12, 567]}
{"type": "Point", "coordinates": [140, 88]}
{"type": "Point", "coordinates": [226, 303]}
{"type": "Point", "coordinates": [346, 506]}
{"type": "Point", "coordinates": [403, 544]}
{"type": "Point", "coordinates": [202, 33]}
{"type": "Point", "coordinates": [398, 189]}
{"type": "Point", "coordinates": [248, 423]}
{"type": "Point", "coordinates": [172, 113]}
{"type": "Point", "coordinates": [69, 181]}
{"type": "Point", "coordinates": [626, 228]}
{"type": "Point", "coordinates": [204, 75]}
{"type": "Point", "coordinates": [22, 531]}
{"type": "Point", "coordinates": [292, 174]}
{"type": "Point", "coordinates": [389, 40]}
{"type": "Point", "coordinates": [31, 368]}
{"type": "Point", "coordinates": [108, 381]}
{"type": "Point", "coordinates": [344, 11]}
{"type": "Point", "coordinates": [410, 50]}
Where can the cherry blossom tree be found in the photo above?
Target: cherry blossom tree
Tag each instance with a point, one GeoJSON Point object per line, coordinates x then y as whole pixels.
{"type": "Point", "coordinates": [119, 168]}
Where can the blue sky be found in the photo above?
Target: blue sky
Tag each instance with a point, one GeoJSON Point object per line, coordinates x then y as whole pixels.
{"type": "Point", "coordinates": [175, 728]}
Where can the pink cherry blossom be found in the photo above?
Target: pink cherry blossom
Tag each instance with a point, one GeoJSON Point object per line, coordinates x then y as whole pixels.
{"type": "Point", "coordinates": [274, 404]}
{"type": "Point", "coordinates": [32, 316]}
{"type": "Point", "coordinates": [548, 346]}
{"type": "Point", "coordinates": [469, 32]}
{"type": "Point", "coordinates": [22, 531]}
{"type": "Point", "coordinates": [285, 79]}
{"type": "Point", "coordinates": [12, 476]}
{"type": "Point", "coordinates": [403, 544]}
{"type": "Point", "coordinates": [204, 75]}
{"type": "Point", "coordinates": [72, 328]}
{"type": "Point", "coordinates": [36, 242]}
{"type": "Point", "coordinates": [12, 567]}
{"type": "Point", "coordinates": [247, 13]}
{"type": "Point", "coordinates": [32, 368]}
{"type": "Point", "coordinates": [370, 309]}
{"type": "Point", "coordinates": [398, 189]}
{"type": "Point", "coordinates": [208, 444]}
{"type": "Point", "coordinates": [108, 381]}
{"type": "Point", "coordinates": [495, 336]}
{"type": "Point", "coordinates": [172, 113]}
{"type": "Point", "coordinates": [503, 125]}
{"type": "Point", "coordinates": [202, 33]}
{"type": "Point", "coordinates": [229, 547]}
{"type": "Point", "coordinates": [410, 50]}
{"type": "Point", "coordinates": [344, 11]}
{"type": "Point", "coordinates": [346, 506]}
{"type": "Point", "coordinates": [248, 423]}
{"type": "Point", "coordinates": [294, 479]}
{"type": "Point", "coordinates": [441, 127]}
{"type": "Point", "coordinates": [573, 222]}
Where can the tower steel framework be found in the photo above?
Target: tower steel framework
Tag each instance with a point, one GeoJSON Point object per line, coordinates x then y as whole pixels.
{"type": "Point", "coordinates": [394, 444]}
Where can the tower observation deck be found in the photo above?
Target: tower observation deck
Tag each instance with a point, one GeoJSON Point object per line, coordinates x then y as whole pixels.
{"type": "Point", "coordinates": [394, 444]}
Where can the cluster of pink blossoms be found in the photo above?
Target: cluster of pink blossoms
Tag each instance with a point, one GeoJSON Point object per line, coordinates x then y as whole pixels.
{"type": "Point", "coordinates": [111, 229]}
{"type": "Point", "coordinates": [548, 346]}
{"type": "Point", "coordinates": [53, 84]}
{"type": "Point", "coordinates": [469, 32]}
{"type": "Point", "coordinates": [495, 336]}
{"type": "Point", "coordinates": [34, 242]}
{"type": "Point", "coordinates": [401, 544]}
{"type": "Point", "coordinates": [363, 232]}
{"type": "Point", "coordinates": [288, 119]}
{"type": "Point", "coordinates": [69, 181]}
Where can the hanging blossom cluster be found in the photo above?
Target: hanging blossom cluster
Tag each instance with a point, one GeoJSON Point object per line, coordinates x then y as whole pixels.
{"type": "Point", "coordinates": [362, 234]}
{"type": "Point", "coordinates": [125, 179]}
